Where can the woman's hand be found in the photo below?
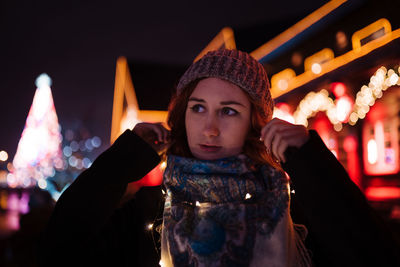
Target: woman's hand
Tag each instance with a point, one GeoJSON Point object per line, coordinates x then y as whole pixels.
{"type": "Point", "coordinates": [277, 135]}
{"type": "Point", "coordinates": [155, 134]}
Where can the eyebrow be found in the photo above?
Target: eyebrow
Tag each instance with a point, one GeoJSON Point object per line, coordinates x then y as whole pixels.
{"type": "Point", "coordinates": [231, 102]}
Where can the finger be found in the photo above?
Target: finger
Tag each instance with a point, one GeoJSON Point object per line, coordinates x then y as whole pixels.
{"type": "Point", "coordinates": [265, 129]}
{"type": "Point", "coordinates": [288, 138]}
{"type": "Point", "coordinates": [296, 136]}
{"type": "Point", "coordinates": [278, 142]}
{"type": "Point", "coordinates": [161, 129]}
{"type": "Point", "coordinates": [274, 129]}
{"type": "Point", "coordinates": [165, 134]}
{"type": "Point", "coordinates": [157, 130]}
{"type": "Point", "coordinates": [281, 143]}
{"type": "Point", "coordinates": [270, 124]}
{"type": "Point", "coordinates": [285, 141]}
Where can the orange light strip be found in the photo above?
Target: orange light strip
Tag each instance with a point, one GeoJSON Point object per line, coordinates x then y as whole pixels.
{"type": "Point", "coordinates": [152, 115]}
{"type": "Point", "coordinates": [338, 62]}
{"type": "Point", "coordinates": [320, 57]}
{"type": "Point", "coordinates": [297, 28]}
{"type": "Point", "coordinates": [280, 80]}
{"type": "Point", "coordinates": [121, 74]}
{"type": "Point", "coordinates": [225, 38]}
{"type": "Point", "coordinates": [124, 89]}
{"type": "Point", "coordinates": [369, 30]}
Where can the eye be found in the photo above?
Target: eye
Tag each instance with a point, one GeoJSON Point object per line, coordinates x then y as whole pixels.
{"type": "Point", "coordinates": [228, 111]}
{"type": "Point", "coordinates": [197, 108]}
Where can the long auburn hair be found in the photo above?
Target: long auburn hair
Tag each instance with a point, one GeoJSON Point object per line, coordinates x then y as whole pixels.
{"type": "Point", "coordinates": [253, 147]}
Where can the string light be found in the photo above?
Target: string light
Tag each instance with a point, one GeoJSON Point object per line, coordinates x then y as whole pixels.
{"type": "Point", "coordinates": [316, 68]}
{"type": "Point", "coordinates": [248, 196]}
{"type": "Point", "coordinates": [366, 97]}
{"type": "Point", "coordinates": [314, 102]}
{"type": "Point", "coordinates": [281, 111]}
{"type": "Point", "coordinates": [3, 155]}
{"type": "Point", "coordinates": [163, 165]}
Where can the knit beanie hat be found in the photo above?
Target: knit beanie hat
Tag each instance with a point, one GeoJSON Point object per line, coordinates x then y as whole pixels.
{"type": "Point", "coordinates": [238, 68]}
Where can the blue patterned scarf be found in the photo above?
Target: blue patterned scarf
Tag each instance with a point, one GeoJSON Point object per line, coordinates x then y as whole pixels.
{"type": "Point", "coordinates": [227, 212]}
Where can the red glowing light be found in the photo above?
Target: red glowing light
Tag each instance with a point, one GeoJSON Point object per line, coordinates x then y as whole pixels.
{"type": "Point", "coordinates": [382, 193]}
{"type": "Point", "coordinates": [350, 145]}
{"type": "Point", "coordinates": [380, 144]}
{"type": "Point", "coordinates": [284, 107]}
{"type": "Point", "coordinates": [283, 112]}
{"type": "Point", "coordinates": [324, 128]}
{"type": "Point", "coordinates": [153, 178]}
{"type": "Point", "coordinates": [338, 89]}
{"type": "Point", "coordinates": [377, 112]}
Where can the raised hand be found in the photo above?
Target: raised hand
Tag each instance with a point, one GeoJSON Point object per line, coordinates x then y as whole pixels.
{"type": "Point", "coordinates": [155, 134]}
{"type": "Point", "coordinates": [277, 135]}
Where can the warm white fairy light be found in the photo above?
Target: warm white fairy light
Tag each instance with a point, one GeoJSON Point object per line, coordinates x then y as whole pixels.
{"type": "Point", "coordinates": [316, 68]}
{"type": "Point", "coordinates": [163, 165]}
{"type": "Point", "coordinates": [366, 97]}
{"type": "Point", "coordinates": [314, 102]}
{"type": "Point", "coordinates": [3, 155]}
{"type": "Point", "coordinates": [283, 115]}
{"type": "Point", "coordinates": [248, 196]}
{"type": "Point", "coordinates": [283, 84]}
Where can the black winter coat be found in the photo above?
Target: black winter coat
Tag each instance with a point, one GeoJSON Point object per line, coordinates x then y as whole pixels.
{"type": "Point", "coordinates": [89, 227]}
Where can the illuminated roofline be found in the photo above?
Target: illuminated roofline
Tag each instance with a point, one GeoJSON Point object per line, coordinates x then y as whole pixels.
{"type": "Point", "coordinates": [224, 38]}
{"type": "Point", "coordinates": [124, 89]}
{"type": "Point", "coordinates": [337, 62]}
{"type": "Point", "coordinates": [296, 29]}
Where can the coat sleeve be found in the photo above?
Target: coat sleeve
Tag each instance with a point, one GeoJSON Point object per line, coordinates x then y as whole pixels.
{"type": "Point", "coordinates": [343, 228]}
{"type": "Point", "coordinates": [87, 223]}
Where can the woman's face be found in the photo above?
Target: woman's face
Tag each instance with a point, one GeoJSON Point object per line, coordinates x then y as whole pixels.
{"type": "Point", "coordinates": [217, 119]}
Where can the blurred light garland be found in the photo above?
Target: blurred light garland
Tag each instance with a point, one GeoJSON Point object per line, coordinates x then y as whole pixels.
{"type": "Point", "coordinates": [314, 102]}
{"type": "Point", "coordinates": [365, 98]}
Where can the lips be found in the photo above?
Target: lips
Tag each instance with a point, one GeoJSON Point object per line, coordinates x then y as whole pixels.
{"type": "Point", "coordinates": [209, 148]}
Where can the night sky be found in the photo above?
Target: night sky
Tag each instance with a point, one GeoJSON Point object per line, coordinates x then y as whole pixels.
{"type": "Point", "coordinates": [77, 43]}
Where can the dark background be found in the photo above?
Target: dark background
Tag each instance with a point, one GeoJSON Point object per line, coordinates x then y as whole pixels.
{"type": "Point", "coordinates": [77, 44]}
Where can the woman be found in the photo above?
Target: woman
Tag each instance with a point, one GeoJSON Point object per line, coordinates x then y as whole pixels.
{"type": "Point", "coordinates": [227, 198]}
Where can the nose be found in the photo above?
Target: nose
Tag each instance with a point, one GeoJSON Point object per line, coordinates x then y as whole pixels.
{"type": "Point", "coordinates": [211, 127]}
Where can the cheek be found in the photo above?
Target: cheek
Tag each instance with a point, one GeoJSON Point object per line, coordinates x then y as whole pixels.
{"type": "Point", "coordinates": [241, 133]}
{"type": "Point", "coordinates": [189, 126]}
{"type": "Point", "coordinates": [237, 132]}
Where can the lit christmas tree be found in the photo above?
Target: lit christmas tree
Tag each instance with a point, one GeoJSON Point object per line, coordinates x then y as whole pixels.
{"type": "Point", "coordinates": [39, 149]}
